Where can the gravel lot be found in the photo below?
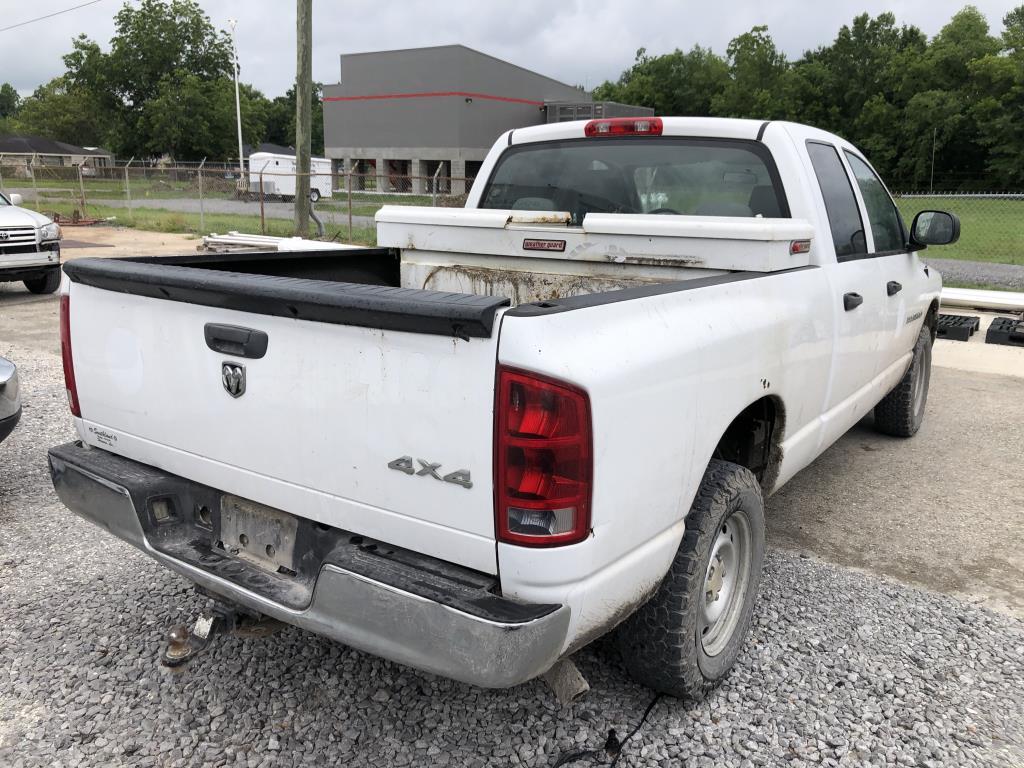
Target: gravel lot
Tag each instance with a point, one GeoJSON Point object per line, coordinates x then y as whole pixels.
{"type": "Point", "coordinates": [1006, 276]}
{"type": "Point", "coordinates": [842, 668]}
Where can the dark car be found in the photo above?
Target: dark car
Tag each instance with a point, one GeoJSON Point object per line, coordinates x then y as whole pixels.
{"type": "Point", "coordinates": [10, 403]}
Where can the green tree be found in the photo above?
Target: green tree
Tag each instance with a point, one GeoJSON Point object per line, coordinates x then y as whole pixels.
{"type": "Point", "coordinates": [210, 128]}
{"type": "Point", "coordinates": [9, 100]}
{"type": "Point", "coordinates": [59, 110]}
{"type": "Point", "coordinates": [756, 70]}
{"type": "Point", "coordinates": [677, 83]}
{"type": "Point", "coordinates": [998, 84]}
{"type": "Point", "coordinates": [156, 48]}
{"type": "Point", "coordinates": [280, 120]}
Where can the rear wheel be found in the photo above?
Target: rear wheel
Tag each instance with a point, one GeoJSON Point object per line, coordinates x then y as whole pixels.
{"type": "Point", "coordinates": [47, 283]}
{"type": "Point", "coordinates": [901, 412]}
{"type": "Point", "coordinates": [314, 195]}
{"type": "Point", "coordinates": [686, 638]}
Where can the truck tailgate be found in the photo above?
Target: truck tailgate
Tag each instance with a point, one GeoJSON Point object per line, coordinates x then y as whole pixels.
{"type": "Point", "coordinates": [353, 426]}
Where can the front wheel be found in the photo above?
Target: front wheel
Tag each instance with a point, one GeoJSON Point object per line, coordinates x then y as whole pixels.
{"type": "Point", "coordinates": [47, 283]}
{"type": "Point", "coordinates": [314, 195]}
{"type": "Point", "coordinates": [901, 412]}
{"type": "Point", "coordinates": [686, 638]}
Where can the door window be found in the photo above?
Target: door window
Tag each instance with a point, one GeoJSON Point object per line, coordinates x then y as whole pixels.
{"type": "Point", "coordinates": [840, 203]}
{"type": "Point", "coordinates": [886, 226]}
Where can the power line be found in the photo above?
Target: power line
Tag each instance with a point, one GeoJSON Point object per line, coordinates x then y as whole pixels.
{"type": "Point", "coordinates": [49, 15]}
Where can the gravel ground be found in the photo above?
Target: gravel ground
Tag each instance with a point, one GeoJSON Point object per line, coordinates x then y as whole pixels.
{"type": "Point", "coordinates": [1006, 276]}
{"type": "Point", "coordinates": [842, 668]}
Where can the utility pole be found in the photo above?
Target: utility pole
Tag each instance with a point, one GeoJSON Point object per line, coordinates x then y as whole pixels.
{"type": "Point", "coordinates": [303, 111]}
{"type": "Point", "coordinates": [238, 108]}
{"type": "Point", "coordinates": [931, 184]}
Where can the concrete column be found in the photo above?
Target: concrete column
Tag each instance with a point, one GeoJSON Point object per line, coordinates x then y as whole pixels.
{"type": "Point", "coordinates": [382, 175]}
{"type": "Point", "coordinates": [418, 170]}
{"type": "Point", "coordinates": [458, 177]}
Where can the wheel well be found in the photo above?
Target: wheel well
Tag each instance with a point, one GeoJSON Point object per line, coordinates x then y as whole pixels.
{"type": "Point", "coordinates": [931, 319]}
{"type": "Point", "coordinates": [754, 440]}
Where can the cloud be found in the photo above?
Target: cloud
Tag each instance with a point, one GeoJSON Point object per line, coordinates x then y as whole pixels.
{"type": "Point", "coordinates": [579, 42]}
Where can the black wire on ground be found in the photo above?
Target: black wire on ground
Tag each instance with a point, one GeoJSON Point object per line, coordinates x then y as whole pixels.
{"type": "Point", "coordinates": [612, 746]}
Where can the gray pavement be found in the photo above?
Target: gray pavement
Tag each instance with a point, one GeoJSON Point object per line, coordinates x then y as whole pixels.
{"type": "Point", "coordinates": [843, 667]}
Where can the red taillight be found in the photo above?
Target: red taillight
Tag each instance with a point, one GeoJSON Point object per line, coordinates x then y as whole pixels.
{"type": "Point", "coordinates": [624, 126]}
{"type": "Point", "coordinates": [65, 354]}
{"type": "Point", "coordinates": [543, 463]}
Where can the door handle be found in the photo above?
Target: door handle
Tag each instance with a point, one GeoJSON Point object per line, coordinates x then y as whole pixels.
{"type": "Point", "coordinates": [852, 301]}
{"type": "Point", "coordinates": [892, 288]}
{"type": "Point", "coordinates": [235, 340]}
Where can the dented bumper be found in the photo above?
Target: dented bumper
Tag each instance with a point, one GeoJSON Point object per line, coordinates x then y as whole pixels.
{"type": "Point", "coordinates": [392, 603]}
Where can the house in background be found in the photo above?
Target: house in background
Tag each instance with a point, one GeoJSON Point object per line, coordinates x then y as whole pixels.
{"type": "Point", "coordinates": [421, 111]}
{"type": "Point", "coordinates": [24, 150]}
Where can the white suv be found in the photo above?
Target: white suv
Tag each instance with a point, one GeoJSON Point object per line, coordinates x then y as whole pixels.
{"type": "Point", "coordinates": [29, 247]}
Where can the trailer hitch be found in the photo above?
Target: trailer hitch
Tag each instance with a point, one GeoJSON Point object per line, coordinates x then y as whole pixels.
{"type": "Point", "coordinates": [184, 643]}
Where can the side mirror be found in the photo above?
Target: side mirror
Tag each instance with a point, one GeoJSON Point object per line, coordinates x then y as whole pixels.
{"type": "Point", "coordinates": [16, 199]}
{"type": "Point", "coordinates": [935, 228]}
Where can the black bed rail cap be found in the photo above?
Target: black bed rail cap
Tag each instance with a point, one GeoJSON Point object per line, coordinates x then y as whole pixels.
{"type": "Point", "coordinates": [369, 306]}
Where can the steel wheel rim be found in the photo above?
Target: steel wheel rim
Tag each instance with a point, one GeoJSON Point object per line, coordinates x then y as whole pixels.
{"type": "Point", "coordinates": [726, 581]}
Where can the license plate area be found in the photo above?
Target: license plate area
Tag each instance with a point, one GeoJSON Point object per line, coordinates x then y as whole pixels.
{"type": "Point", "coordinates": [258, 534]}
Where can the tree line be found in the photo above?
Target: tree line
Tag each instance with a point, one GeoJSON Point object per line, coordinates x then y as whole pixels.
{"type": "Point", "coordinates": [165, 87]}
{"type": "Point", "coordinates": [889, 89]}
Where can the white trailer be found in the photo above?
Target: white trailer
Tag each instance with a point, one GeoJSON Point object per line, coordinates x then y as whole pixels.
{"type": "Point", "coordinates": [278, 172]}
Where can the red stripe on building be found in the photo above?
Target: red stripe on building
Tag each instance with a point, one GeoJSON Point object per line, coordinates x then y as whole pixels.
{"type": "Point", "coordinates": [434, 95]}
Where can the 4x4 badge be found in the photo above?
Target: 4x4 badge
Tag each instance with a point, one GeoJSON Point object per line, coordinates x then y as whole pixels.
{"type": "Point", "coordinates": [458, 477]}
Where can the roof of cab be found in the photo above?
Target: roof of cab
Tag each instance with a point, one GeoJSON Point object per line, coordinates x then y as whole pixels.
{"type": "Point", "coordinates": [712, 127]}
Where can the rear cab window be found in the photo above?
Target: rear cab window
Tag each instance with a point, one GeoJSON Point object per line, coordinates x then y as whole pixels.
{"type": "Point", "coordinates": [670, 175]}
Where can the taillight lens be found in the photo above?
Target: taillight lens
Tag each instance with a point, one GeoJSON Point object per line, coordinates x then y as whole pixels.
{"type": "Point", "coordinates": [543, 460]}
{"type": "Point", "coordinates": [624, 126]}
{"type": "Point", "coordinates": [65, 354]}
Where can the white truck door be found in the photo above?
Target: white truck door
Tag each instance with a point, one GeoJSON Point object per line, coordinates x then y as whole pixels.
{"type": "Point", "coordinates": [901, 273]}
{"type": "Point", "coordinates": [858, 298]}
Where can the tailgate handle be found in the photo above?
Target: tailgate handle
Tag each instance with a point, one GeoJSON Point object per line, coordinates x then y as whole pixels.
{"type": "Point", "coordinates": [235, 340]}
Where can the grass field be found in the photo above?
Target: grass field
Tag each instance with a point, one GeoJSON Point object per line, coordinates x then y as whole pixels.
{"type": "Point", "coordinates": [990, 229]}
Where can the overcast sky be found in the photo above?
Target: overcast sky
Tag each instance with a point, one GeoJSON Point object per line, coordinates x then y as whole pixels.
{"type": "Point", "coordinates": [582, 42]}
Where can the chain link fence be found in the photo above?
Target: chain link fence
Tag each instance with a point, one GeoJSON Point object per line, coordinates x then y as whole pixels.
{"type": "Point", "coordinates": [200, 199]}
{"type": "Point", "coordinates": [991, 223]}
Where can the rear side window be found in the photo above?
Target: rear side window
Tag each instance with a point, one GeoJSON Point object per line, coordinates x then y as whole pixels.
{"type": "Point", "coordinates": [886, 227]}
{"type": "Point", "coordinates": [840, 203]}
{"type": "Point", "coordinates": [686, 176]}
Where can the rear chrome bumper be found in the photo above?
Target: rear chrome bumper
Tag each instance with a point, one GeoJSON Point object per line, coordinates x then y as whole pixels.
{"type": "Point", "coordinates": [351, 607]}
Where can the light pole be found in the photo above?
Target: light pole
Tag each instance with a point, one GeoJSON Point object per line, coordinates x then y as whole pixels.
{"type": "Point", "coordinates": [238, 106]}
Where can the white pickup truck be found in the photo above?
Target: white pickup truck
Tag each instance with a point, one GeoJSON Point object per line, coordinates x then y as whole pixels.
{"type": "Point", "coordinates": [29, 247]}
{"type": "Point", "coordinates": [514, 427]}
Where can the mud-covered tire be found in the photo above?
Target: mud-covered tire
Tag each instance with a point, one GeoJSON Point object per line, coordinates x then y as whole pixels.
{"type": "Point", "coordinates": [901, 412]}
{"type": "Point", "coordinates": [48, 283]}
{"type": "Point", "coordinates": [666, 644]}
